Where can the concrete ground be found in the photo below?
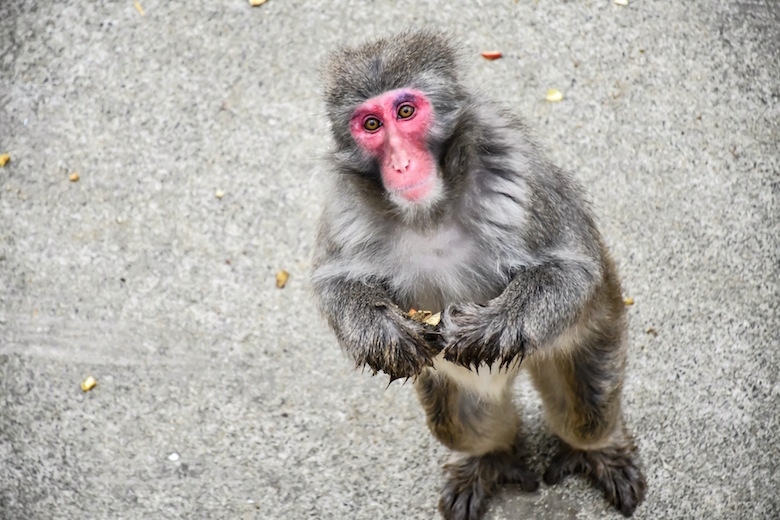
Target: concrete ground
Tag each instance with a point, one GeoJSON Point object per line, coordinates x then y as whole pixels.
{"type": "Point", "coordinates": [219, 395]}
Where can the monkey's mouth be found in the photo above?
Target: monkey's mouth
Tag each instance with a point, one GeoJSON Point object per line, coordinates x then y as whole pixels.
{"type": "Point", "coordinates": [418, 191]}
{"type": "Point", "coordinates": [423, 182]}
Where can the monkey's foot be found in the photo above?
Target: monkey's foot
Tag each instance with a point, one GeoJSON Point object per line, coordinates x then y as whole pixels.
{"type": "Point", "coordinates": [613, 470]}
{"type": "Point", "coordinates": [472, 480]}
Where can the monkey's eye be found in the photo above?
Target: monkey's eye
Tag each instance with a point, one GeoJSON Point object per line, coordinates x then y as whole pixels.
{"type": "Point", "coordinates": [371, 124]}
{"type": "Point", "coordinates": [405, 111]}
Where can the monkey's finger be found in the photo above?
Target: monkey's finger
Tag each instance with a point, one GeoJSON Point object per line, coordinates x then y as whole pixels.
{"type": "Point", "coordinates": [454, 355]}
{"type": "Point", "coordinates": [510, 360]}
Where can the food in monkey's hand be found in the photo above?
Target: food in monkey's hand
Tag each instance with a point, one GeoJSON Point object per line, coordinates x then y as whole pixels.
{"type": "Point", "coordinates": [427, 317]}
{"type": "Point", "coordinates": [430, 322]}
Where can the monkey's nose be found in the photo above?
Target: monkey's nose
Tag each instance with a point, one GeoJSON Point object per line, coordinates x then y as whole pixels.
{"type": "Point", "coordinates": [400, 165]}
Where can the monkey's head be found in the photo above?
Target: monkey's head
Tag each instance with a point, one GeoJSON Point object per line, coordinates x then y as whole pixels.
{"type": "Point", "coordinates": [392, 103]}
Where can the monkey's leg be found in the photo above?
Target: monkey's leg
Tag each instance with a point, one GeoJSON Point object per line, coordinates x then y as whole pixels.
{"type": "Point", "coordinates": [581, 392]}
{"type": "Point", "coordinates": [485, 430]}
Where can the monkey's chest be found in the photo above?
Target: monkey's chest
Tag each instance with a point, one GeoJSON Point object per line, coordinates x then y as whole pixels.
{"type": "Point", "coordinates": [432, 270]}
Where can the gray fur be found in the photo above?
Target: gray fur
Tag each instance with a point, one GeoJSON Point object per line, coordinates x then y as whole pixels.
{"type": "Point", "coordinates": [509, 252]}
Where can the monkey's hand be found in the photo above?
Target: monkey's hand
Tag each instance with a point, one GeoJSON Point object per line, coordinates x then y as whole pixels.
{"type": "Point", "coordinates": [473, 334]}
{"type": "Point", "coordinates": [373, 330]}
{"type": "Point", "coordinates": [391, 343]}
{"type": "Point", "coordinates": [538, 304]}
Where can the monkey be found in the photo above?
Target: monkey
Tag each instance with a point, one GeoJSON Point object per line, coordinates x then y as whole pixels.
{"type": "Point", "coordinates": [440, 199]}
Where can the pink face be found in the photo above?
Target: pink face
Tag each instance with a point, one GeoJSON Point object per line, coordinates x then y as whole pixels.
{"type": "Point", "coordinates": [393, 127]}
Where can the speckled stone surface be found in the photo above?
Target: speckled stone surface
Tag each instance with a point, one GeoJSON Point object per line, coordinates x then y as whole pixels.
{"type": "Point", "coordinates": [140, 276]}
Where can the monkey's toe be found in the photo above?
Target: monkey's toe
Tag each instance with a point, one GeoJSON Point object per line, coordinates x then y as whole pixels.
{"type": "Point", "coordinates": [463, 500]}
{"type": "Point", "coordinates": [613, 470]}
{"type": "Point", "coordinates": [524, 477]}
{"type": "Point", "coordinates": [470, 482]}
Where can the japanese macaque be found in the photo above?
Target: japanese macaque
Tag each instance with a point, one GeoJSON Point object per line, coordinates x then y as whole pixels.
{"type": "Point", "coordinates": [441, 201]}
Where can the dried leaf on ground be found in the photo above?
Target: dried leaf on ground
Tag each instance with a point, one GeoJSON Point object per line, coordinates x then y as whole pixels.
{"type": "Point", "coordinates": [554, 95]}
{"type": "Point", "coordinates": [74, 177]}
{"type": "Point", "coordinates": [628, 301]}
{"type": "Point", "coordinates": [4, 159]}
{"type": "Point", "coordinates": [492, 55]}
{"type": "Point", "coordinates": [281, 279]}
{"type": "Point", "coordinates": [88, 384]}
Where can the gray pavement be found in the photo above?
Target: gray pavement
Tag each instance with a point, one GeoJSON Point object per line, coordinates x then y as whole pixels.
{"type": "Point", "coordinates": [221, 396]}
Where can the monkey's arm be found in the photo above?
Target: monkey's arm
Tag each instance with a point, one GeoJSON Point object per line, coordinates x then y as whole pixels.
{"type": "Point", "coordinates": [537, 305]}
{"type": "Point", "coordinates": [372, 329]}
